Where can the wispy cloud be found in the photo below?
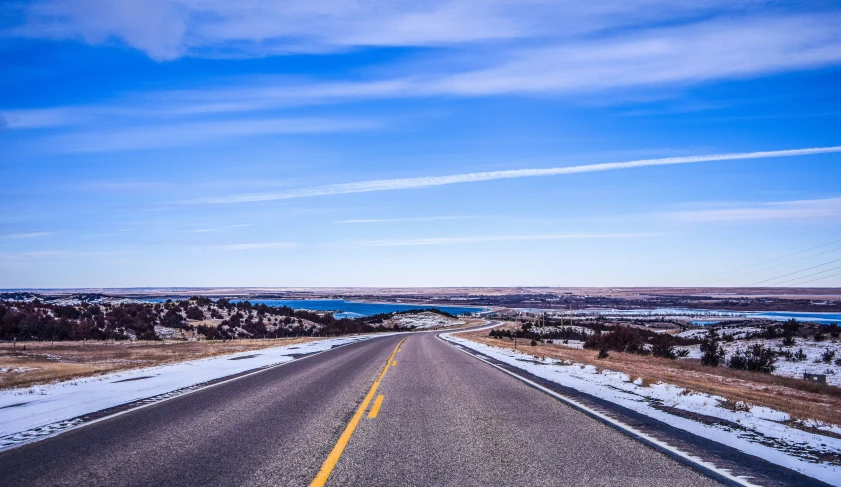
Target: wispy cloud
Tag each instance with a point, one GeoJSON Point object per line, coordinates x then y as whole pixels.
{"type": "Point", "coordinates": [432, 181]}
{"type": "Point", "coordinates": [251, 246]}
{"type": "Point", "coordinates": [167, 29]}
{"type": "Point", "coordinates": [819, 209]}
{"type": "Point", "coordinates": [14, 236]}
{"type": "Point", "coordinates": [497, 238]}
{"type": "Point", "coordinates": [608, 47]}
{"type": "Point", "coordinates": [183, 134]}
{"type": "Point", "coordinates": [408, 219]}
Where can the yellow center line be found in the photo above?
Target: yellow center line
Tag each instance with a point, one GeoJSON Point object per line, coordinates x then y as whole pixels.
{"type": "Point", "coordinates": [333, 458]}
{"type": "Point", "coordinates": [375, 409]}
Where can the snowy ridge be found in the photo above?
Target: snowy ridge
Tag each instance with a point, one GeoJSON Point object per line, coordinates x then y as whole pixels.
{"type": "Point", "coordinates": [39, 411]}
{"type": "Point", "coordinates": [425, 319]}
{"type": "Point", "coordinates": [752, 429]}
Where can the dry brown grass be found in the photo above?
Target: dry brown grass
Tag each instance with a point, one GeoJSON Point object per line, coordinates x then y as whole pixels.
{"type": "Point", "coordinates": [800, 399]}
{"type": "Point", "coordinates": [44, 362]}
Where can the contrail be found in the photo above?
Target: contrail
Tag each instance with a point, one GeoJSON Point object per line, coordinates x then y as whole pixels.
{"type": "Point", "coordinates": [431, 181]}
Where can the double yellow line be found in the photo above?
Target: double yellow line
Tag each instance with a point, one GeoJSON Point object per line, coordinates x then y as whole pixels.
{"type": "Point", "coordinates": [333, 458]}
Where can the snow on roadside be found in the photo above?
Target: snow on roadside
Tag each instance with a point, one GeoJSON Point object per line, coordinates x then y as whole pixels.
{"type": "Point", "coordinates": [759, 432]}
{"type": "Point", "coordinates": [28, 408]}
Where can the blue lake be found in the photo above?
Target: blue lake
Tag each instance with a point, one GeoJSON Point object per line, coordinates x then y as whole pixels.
{"type": "Point", "coordinates": [352, 309]}
{"type": "Point", "coordinates": [355, 309]}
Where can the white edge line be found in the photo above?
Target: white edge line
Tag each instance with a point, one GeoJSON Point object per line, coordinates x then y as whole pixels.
{"type": "Point", "coordinates": [187, 393]}
{"type": "Point", "coordinates": [624, 428]}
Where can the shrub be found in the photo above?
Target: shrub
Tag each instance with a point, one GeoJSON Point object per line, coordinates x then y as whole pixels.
{"type": "Point", "coordinates": [756, 358]}
{"type": "Point", "coordinates": [788, 341]}
{"type": "Point", "coordinates": [828, 355]}
{"type": "Point", "coordinates": [791, 327]}
{"type": "Point", "coordinates": [603, 353]}
{"type": "Point", "coordinates": [172, 319]}
{"type": "Point", "coordinates": [194, 313]}
{"type": "Point", "coordinates": [819, 337]}
{"type": "Point", "coordinates": [712, 354]}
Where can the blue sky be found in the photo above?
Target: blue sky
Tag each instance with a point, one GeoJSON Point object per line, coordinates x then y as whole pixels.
{"type": "Point", "coordinates": [215, 143]}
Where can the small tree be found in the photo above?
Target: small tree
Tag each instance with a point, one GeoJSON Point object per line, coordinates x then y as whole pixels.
{"type": "Point", "coordinates": [712, 354]}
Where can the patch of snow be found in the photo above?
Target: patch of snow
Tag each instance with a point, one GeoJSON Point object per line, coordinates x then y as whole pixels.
{"type": "Point", "coordinates": [167, 333]}
{"type": "Point", "coordinates": [545, 330]}
{"type": "Point", "coordinates": [763, 434]}
{"type": "Point", "coordinates": [735, 332]}
{"type": "Point", "coordinates": [7, 370]}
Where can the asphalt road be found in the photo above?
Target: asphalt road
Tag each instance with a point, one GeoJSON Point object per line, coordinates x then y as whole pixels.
{"type": "Point", "coordinates": [445, 419]}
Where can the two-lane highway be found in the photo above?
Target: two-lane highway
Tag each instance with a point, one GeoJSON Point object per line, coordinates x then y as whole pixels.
{"type": "Point", "coordinates": [445, 418]}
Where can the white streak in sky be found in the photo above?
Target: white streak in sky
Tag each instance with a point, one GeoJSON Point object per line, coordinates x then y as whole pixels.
{"type": "Point", "coordinates": [251, 246]}
{"type": "Point", "coordinates": [408, 219]}
{"type": "Point", "coordinates": [819, 209]}
{"type": "Point", "coordinates": [432, 181]}
{"type": "Point", "coordinates": [497, 238]}
{"type": "Point", "coordinates": [26, 235]}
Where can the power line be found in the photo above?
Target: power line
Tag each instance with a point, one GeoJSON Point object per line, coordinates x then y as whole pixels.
{"type": "Point", "coordinates": [808, 275]}
{"type": "Point", "coordinates": [796, 272]}
{"type": "Point", "coordinates": [780, 265]}
{"type": "Point", "coordinates": [818, 279]}
{"type": "Point", "coordinates": [767, 261]}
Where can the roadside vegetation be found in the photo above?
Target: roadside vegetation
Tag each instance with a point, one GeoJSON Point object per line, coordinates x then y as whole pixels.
{"type": "Point", "coordinates": [740, 366]}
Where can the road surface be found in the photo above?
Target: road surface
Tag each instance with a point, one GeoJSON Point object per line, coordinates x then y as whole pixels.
{"type": "Point", "coordinates": [444, 418]}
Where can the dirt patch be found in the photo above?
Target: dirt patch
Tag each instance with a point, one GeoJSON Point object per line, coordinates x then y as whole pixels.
{"type": "Point", "coordinates": [43, 362]}
{"type": "Point", "coordinates": [800, 399]}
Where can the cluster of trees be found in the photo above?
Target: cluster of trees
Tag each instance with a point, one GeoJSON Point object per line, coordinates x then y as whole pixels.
{"type": "Point", "coordinates": [527, 331]}
{"type": "Point", "coordinates": [35, 320]}
{"type": "Point", "coordinates": [760, 358]}
{"type": "Point", "coordinates": [756, 357]}
{"type": "Point", "coordinates": [639, 341]}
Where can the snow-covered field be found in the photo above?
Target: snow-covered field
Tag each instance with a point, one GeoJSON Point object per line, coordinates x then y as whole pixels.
{"type": "Point", "coordinates": [760, 430]}
{"type": "Point", "coordinates": [42, 410]}
{"type": "Point", "coordinates": [425, 320]}
{"type": "Point", "coordinates": [811, 364]}
{"type": "Point", "coordinates": [735, 332]}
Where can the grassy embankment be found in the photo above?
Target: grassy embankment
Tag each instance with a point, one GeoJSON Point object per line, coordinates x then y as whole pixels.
{"type": "Point", "coordinates": [798, 398]}
{"type": "Point", "coordinates": [43, 362]}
